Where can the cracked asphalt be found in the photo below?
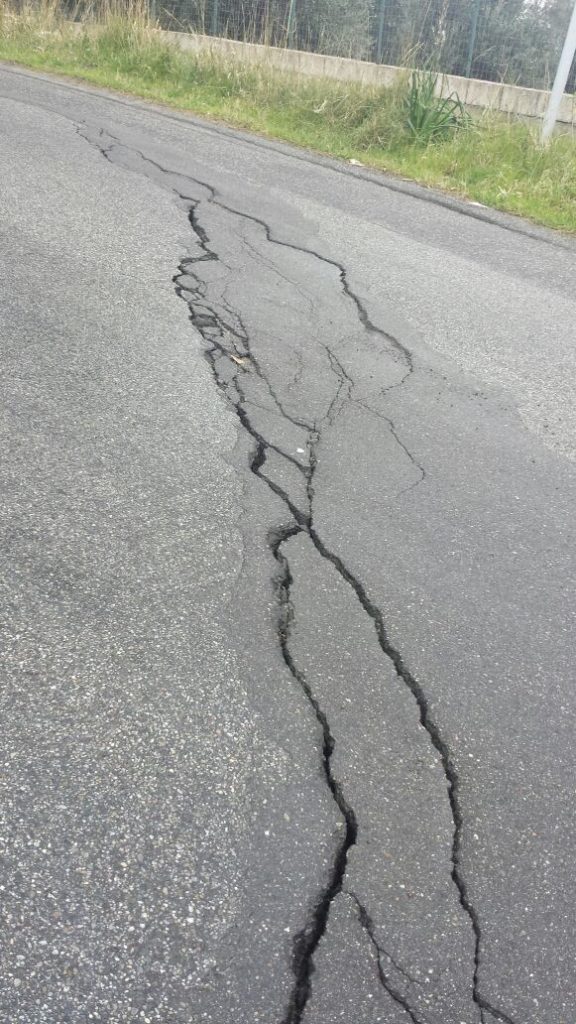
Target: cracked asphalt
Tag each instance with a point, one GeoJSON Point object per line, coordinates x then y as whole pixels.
{"type": "Point", "coordinates": [288, 491]}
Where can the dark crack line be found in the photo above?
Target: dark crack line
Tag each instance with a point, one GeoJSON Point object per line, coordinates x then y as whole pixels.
{"type": "Point", "coordinates": [203, 239]}
{"type": "Point", "coordinates": [306, 943]}
{"type": "Point", "coordinates": [297, 378]}
{"type": "Point", "coordinates": [209, 329]}
{"type": "Point", "coordinates": [440, 745]}
{"type": "Point", "coordinates": [313, 444]}
{"type": "Point", "coordinates": [189, 286]}
{"type": "Point", "coordinates": [361, 310]}
{"type": "Point", "coordinates": [341, 372]}
{"type": "Point", "coordinates": [304, 470]}
{"type": "Point", "coordinates": [398, 967]}
{"type": "Point", "coordinates": [345, 383]}
{"type": "Point", "coordinates": [306, 947]}
{"type": "Point", "coordinates": [392, 427]}
{"type": "Point", "coordinates": [494, 1012]}
{"type": "Point", "coordinates": [243, 338]}
{"type": "Point", "coordinates": [213, 197]}
{"type": "Point", "coordinates": [411, 190]}
{"type": "Point", "coordinates": [303, 424]}
{"type": "Point", "coordinates": [258, 256]}
{"type": "Point", "coordinates": [385, 980]}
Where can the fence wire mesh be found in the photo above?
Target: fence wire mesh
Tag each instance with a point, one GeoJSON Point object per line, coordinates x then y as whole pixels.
{"type": "Point", "coordinates": [513, 41]}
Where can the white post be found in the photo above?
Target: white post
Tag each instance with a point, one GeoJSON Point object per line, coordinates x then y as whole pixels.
{"type": "Point", "coordinates": [564, 65]}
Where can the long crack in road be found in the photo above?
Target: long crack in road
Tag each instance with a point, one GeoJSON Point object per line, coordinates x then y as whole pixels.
{"type": "Point", "coordinates": [379, 827]}
{"type": "Point", "coordinates": [229, 353]}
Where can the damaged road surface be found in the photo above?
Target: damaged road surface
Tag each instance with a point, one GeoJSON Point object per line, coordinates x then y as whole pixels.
{"type": "Point", "coordinates": [288, 478]}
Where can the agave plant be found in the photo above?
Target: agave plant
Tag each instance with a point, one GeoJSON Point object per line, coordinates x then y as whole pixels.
{"type": "Point", "coordinates": [430, 116]}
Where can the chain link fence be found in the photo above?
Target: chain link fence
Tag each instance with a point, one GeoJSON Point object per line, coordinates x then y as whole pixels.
{"type": "Point", "coordinates": [513, 41]}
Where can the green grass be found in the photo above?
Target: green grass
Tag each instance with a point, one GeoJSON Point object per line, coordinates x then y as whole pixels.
{"type": "Point", "coordinates": [492, 161]}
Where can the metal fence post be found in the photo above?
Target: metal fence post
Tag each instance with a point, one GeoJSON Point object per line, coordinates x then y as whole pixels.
{"type": "Point", "coordinates": [473, 34]}
{"type": "Point", "coordinates": [380, 39]}
{"type": "Point", "coordinates": [290, 22]}
{"type": "Point", "coordinates": [562, 72]}
{"type": "Point", "coordinates": [214, 26]}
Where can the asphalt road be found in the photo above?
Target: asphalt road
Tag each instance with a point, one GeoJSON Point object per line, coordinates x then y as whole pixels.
{"type": "Point", "coordinates": [288, 485]}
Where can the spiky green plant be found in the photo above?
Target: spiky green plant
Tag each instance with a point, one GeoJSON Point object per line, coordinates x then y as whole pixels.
{"type": "Point", "coordinates": [430, 116]}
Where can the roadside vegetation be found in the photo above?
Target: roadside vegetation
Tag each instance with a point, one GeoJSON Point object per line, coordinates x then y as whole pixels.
{"type": "Point", "coordinates": [405, 129]}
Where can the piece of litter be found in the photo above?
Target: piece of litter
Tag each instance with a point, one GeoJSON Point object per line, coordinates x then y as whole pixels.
{"type": "Point", "coordinates": [356, 163]}
{"type": "Point", "coordinates": [300, 451]}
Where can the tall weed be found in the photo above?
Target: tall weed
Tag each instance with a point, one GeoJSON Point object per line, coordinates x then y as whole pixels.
{"type": "Point", "coordinates": [431, 117]}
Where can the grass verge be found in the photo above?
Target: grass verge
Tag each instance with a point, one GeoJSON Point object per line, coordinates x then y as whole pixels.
{"type": "Point", "coordinates": [495, 162]}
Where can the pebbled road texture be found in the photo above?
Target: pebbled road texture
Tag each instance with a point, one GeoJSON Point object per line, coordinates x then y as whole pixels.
{"type": "Point", "coordinates": [289, 483]}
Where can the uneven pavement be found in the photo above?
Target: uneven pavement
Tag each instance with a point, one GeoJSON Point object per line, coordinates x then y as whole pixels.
{"type": "Point", "coordinates": [288, 478]}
